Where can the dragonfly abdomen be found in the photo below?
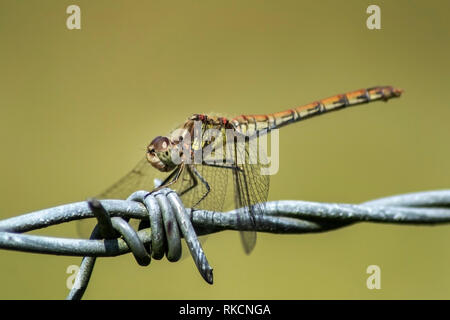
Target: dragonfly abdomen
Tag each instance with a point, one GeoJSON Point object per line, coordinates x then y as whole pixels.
{"type": "Point", "coordinates": [251, 123]}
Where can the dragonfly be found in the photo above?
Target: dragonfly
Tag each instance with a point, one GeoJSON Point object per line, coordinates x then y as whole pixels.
{"type": "Point", "coordinates": [230, 179]}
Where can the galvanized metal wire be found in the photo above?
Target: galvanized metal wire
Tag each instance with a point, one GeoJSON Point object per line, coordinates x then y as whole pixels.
{"type": "Point", "coordinates": [165, 221]}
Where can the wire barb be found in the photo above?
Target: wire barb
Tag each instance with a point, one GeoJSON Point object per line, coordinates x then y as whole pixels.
{"type": "Point", "coordinates": [165, 220]}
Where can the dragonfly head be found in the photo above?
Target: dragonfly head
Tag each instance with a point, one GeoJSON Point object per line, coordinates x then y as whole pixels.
{"type": "Point", "coordinates": [159, 154]}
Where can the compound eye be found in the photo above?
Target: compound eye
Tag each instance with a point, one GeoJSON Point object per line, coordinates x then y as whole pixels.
{"type": "Point", "coordinates": [159, 144]}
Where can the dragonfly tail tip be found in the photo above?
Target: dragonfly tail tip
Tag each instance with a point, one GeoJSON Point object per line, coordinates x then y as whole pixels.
{"type": "Point", "coordinates": [397, 92]}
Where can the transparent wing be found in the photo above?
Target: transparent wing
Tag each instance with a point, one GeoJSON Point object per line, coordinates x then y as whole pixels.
{"type": "Point", "coordinates": [251, 192]}
{"type": "Point", "coordinates": [140, 178]}
{"type": "Point", "coordinates": [193, 189]}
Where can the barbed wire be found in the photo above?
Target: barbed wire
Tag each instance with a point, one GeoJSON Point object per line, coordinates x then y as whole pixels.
{"type": "Point", "coordinates": [164, 221]}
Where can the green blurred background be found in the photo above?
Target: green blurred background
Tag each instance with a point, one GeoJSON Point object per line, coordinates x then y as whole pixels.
{"type": "Point", "coordinates": [77, 109]}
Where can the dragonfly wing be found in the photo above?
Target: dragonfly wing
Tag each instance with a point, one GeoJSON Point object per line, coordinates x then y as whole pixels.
{"type": "Point", "coordinates": [251, 192]}
{"type": "Point", "coordinates": [140, 178]}
{"type": "Point", "coordinates": [194, 192]}
{"type": "Point", "coordinates": [248, 240]}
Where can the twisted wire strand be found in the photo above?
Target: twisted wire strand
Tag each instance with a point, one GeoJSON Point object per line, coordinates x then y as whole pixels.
{"type": "Point", "coordinates": [169, 221]}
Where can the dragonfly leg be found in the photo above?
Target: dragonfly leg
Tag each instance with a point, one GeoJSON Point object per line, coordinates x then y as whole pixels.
{"type": "Point", "coordinates": [194, 182]}
{"type": "Point", "coordinates": [208, 188]}
{"type": "Point", "coordinates": [166, 180]}
{"type": "Point", "coordinates": [171, 179]}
